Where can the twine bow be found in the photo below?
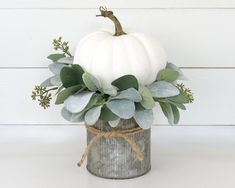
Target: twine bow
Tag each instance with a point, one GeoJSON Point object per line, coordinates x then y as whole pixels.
{"type": "Point", "coordinates": [113, 134]}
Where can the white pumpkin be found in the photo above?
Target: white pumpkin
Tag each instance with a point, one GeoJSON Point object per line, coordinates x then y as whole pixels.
{"type": "Point", "coordinates": [108, 56]}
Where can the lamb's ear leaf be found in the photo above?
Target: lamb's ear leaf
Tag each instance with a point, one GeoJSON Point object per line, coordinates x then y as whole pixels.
{"type": "Point", "coordinates": [167, 74]}
{"type": "Point", "coordinates": [163, 89]}
{"type": "Point", "coordinates": [147, 99]}
{"type": "Point", "coordinates": [167, 111]}
{"type": "Point", "coordinates": [122, 108]}
{"type": "Point", "coordinates": [144, 118]}
{"type": "Point", "coordinates": [71, 75]}
{"type": "Point", "coordinates": [90, 82]}
{"type": "Point", "coordinates": [166, 100]}
{"type": "Point", "coordinates": [92, 115]}
{"type": "Point", "coordinates": [63, 95]}
{"type": "Point", "coordinates": [66, 60]}
{"type": "Point", "coordinates": [77, 117]}
{"type": "Point", "coordinates": [176, 113]}
{"type": "Point", "coordinates": [55, 68]}
{"type": "Point", "coordinates": [55, 57]}
{"type": "Point", "coordinates": [55, 80]}
{"type": "Point", "coordinates": [77, 102]}
{"type": "Point", "coordinates": [47, 82]}
{"type": "Point", "coordinates": [125, 82]}
{"type": "Point", "coordinates": [181, 98]}
{"type": "Point", "coordinates": [114, 123]}
{"type": "Point", "coordinates": [130, 94]}
{"type": "Point", "coordinates": [107, 114]}
{"type": "Point", "coordinates": [174, 67]}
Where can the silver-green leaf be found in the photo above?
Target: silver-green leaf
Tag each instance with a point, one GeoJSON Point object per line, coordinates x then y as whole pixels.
{"type": "Point", "coordinates": [91, 82]}
{"type": "Point", "coordinates": [130, 94]}
{"type": "Point", "coordinates": [92, 115]}
{"type": "Point", "coordinates": [77, 102]}
{"type": "Point", "coordinates": [114, 123]}
{"type": "Point", "coordinates": [163, 89]}
{"type": "Point", "coordinates": [144, 118]}
{"type": "Point", "coordinates": [55, 68]}
{"type": "Point", "coordinates": [77, 117]}
{"type": "Point", "coordinates": [147, 99]}
{"type": "Point", "coordinates": [66, 60]}
{"type": "Point", "coordinates": [122, 108]}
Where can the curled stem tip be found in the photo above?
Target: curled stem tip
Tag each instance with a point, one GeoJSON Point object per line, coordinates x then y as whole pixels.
{"type": "Point", "coordinates": [104, 12]}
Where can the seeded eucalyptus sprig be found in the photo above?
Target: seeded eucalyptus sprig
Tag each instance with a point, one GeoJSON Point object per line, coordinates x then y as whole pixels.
{"type": "Point", "coordinates": [43, 95]}
{"type": "Point", "coordinates": [186, 91]}
{"type": "Point", "coordinates": [58, 44]}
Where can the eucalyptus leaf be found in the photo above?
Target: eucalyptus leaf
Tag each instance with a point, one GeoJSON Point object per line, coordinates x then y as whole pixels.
{"type": "Point", "coordinates": [47, 83]}
{"type": "Point", "coordinates": [92, 115]}
{"type": "Point", "coordinates": [55, 68]}
{"type": "Point", "coordinates": [167, 74]}
{"type": "Point", "coordinates": [55, 57]}
{"type": "Point", "coordinates": [107, 114]}
{"type": "Point", "coordinates": [162, 89]}
{"type": "Point", "coordinates": [114, 123]}
{"type": "Point", "coordinates": [125, 82]}
{"type": "Point", "coordinates": [91, 82]}
{"type": "Point", "coordinates": [144, 118]}
{"type": "Point", "coordinates": [77, 102]}
{"type": "Point", "coordinates": [122, 108]}
{"type": "Point", "coordinates": [130, 94]}
{"type": "Point", "coordinates": [78, 117]}
{"type": "Point", "coordinates": [147, 99]}
{"type": "Point", "coordinates": [66, 60]}
{"type": "Point", "coordinates": [63, 95]}
{"type": "Point", "coordinates": [71, 76]}
{"type": "Point", "coordinates": [55, 80]}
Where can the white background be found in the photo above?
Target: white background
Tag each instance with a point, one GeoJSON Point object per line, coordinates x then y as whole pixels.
{"type": "Point", "coordinates": [197, 35]}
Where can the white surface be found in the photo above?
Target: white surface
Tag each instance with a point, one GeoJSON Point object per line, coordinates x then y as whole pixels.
{"type": "Point", "coordinates": [182, 157]}
{"type": "Point", "coordinates": [118, 4]}
{"type": "Point", "coordinates": [191, 38]}
{"type": "Point", "coordinates": [214, 92]}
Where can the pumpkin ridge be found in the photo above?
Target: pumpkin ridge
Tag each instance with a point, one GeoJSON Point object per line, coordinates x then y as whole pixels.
{"type": "Point", "coordinates": [146, 53]}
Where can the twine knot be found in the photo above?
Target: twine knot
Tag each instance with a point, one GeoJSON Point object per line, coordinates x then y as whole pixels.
{"type": "Point", "coordinates": [125, 134]}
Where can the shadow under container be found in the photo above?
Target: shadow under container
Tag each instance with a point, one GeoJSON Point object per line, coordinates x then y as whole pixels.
{"type": "Point", "coordinates": [114, 158]}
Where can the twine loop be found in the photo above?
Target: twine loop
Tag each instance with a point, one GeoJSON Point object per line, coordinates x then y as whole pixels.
{"type": "Point", "coordinates": [125, 134]}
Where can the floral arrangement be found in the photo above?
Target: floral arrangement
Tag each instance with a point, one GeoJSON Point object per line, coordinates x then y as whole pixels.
{"type": "Point", "coordinates": [85, 99]}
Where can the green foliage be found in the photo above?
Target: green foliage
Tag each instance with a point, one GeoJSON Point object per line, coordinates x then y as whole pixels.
{"type": "Point", "coordinates": [130, 94]}
{"type": "Point", "coordinates": [107, 114]}
{"type": "Point", "coordinates": [126, 82]}
{"type": "Point", "coordinates": [64, 94]}
{"type": "Point", "coordinates": [162, 89]}
{"type": "Point", "coordinates": [71, 76]}
{"type": "Point", "coordinates": [144, 118]}
{"type": "Point", "coordinates": [91, 82]}
{"type": "Point", "coordinates": [92, 115]}
{"type": "Point", "coordinates": [123, 108]}
{"type": "Point", "coordinates": [55, 57]}
{"type": "Point", "coordinates": [85, 99]}
{"type": "Point", "coordinates": [167, 74]}
{"type": "Point", "coordinates": [147, 99]}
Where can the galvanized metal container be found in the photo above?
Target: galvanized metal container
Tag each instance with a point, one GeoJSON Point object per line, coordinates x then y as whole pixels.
{"type": "Point", "coordinates": [114, 158]}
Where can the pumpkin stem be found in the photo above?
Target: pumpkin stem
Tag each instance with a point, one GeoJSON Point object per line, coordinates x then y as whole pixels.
{"type": "Point", "coordinates": [109, 14]}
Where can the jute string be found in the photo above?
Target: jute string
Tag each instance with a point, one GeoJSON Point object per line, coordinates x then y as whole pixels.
{"type": "Point", "coordinates": [125, 134]}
